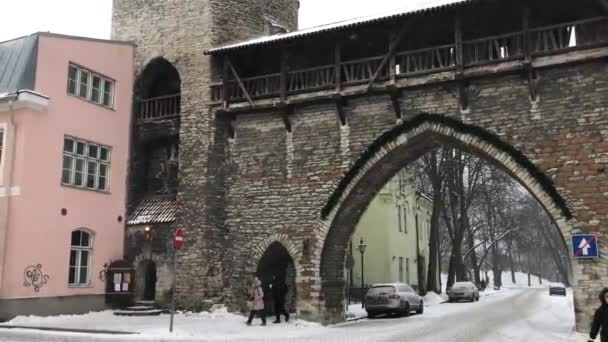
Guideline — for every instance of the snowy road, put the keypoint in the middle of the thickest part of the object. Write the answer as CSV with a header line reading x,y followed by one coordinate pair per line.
x,y
504,317
510,315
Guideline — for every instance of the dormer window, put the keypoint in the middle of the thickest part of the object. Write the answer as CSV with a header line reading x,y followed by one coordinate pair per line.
x,y
90,86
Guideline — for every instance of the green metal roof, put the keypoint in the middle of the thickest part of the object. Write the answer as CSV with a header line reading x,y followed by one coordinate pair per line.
x,y
18,58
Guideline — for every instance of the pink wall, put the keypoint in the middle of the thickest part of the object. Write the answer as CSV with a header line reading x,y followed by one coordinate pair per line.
x,y
38,233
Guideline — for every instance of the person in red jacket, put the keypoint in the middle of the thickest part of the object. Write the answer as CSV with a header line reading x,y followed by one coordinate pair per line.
x,y
600,319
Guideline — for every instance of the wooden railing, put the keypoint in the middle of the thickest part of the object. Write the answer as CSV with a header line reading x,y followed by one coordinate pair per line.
x,y
422,61
311,79
566,36
495,49
158,108
361,70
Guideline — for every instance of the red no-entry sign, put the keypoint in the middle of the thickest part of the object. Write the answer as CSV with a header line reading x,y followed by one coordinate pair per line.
x,y
179,238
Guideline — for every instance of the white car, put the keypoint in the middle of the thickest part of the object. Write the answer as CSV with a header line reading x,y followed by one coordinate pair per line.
x,y
397,298
463,290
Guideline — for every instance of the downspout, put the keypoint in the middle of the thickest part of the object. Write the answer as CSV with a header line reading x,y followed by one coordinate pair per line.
x,y
11,133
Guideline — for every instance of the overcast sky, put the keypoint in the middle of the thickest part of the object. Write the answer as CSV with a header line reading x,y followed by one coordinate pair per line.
x,y
93,18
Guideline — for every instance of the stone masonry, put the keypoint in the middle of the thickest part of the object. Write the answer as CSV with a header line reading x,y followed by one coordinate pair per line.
x,y
239,194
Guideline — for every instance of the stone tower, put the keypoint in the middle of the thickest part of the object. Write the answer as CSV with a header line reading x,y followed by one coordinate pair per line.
x,y
178,146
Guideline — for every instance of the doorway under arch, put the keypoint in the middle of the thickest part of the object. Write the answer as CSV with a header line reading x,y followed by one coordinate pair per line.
x,y
395,150
277,262
146,275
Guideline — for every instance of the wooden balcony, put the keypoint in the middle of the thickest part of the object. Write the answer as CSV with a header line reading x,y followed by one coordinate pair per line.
x,y
529,48
158,108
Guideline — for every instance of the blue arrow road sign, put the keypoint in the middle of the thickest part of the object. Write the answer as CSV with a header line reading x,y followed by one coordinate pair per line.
x,y
585,246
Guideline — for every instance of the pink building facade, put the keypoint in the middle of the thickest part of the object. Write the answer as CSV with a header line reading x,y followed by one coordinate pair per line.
x,y
65,122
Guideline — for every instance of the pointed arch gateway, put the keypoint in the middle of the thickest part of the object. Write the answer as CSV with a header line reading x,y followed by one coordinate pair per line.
x,y
277,257
391,152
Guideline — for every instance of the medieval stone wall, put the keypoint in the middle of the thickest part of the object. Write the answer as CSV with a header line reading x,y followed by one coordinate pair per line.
x,y
278,182
180,31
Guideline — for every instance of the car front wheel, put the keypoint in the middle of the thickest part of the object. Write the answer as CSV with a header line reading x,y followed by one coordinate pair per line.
x,y
420,308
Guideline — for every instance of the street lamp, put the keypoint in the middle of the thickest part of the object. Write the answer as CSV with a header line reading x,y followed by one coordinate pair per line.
x,y
361,249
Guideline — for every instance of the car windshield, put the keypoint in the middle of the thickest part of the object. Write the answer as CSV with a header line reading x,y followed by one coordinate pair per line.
x,y
381,290
461,285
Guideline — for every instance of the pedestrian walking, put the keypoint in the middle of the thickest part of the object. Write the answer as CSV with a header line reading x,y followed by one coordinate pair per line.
x,y
256,302
279,291
600,319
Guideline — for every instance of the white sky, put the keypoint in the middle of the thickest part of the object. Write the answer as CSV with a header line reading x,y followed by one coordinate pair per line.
x,y
93,18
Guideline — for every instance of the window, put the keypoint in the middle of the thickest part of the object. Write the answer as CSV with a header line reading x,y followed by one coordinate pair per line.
x,y
407,270
90,86
80,258
85,165
399,217
401,269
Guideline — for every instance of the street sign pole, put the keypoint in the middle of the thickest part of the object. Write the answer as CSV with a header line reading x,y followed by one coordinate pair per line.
x,y
177,245
173,289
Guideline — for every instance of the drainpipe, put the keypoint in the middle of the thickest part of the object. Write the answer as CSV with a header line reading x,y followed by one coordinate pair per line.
x,y
11,133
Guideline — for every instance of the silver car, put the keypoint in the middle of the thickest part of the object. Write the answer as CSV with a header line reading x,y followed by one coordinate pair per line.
x,y
463,290
397,298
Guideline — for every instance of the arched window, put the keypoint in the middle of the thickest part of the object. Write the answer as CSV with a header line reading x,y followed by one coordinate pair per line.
x,y
80,258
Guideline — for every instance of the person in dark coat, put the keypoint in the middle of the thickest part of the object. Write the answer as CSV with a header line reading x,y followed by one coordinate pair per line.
x,y
600,318
279,291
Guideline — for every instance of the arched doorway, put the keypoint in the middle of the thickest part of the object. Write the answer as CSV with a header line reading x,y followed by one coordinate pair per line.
x,y
395,150
158,78
146,275
277,262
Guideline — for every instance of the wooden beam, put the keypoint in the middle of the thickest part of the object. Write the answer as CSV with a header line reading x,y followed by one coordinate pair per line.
x,y
285,114
463,96
284,70
391,52
395,95
525,25
241,85
458,44
340,103
338,66
225,73
532,84
392,72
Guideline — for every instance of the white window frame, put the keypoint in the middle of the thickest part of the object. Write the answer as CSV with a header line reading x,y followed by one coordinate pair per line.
x,y
4,130
79,249
86,160
89,94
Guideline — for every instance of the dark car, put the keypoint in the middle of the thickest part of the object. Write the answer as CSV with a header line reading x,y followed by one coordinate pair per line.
x,y
558,290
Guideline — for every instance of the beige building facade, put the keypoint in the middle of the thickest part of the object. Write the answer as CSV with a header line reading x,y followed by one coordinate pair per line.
x,y
395,230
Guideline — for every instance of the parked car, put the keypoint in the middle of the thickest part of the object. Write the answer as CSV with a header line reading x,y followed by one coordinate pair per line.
x,y
557,289
397,298
464,290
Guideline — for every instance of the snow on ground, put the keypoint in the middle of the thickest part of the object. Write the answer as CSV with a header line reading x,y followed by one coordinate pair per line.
x,y
512,315
355,311
432,298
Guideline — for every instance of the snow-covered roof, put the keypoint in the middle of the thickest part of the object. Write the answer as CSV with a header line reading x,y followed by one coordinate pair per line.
x,y
154,209
410,9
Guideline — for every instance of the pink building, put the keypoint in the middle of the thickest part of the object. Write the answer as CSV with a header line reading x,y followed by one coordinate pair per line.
x,y
65,106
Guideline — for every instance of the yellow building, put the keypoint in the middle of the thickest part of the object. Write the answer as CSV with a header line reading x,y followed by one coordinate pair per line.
x,y
394,226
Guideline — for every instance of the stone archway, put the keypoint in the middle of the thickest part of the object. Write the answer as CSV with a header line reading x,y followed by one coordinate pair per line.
x,y
277,261
391,152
